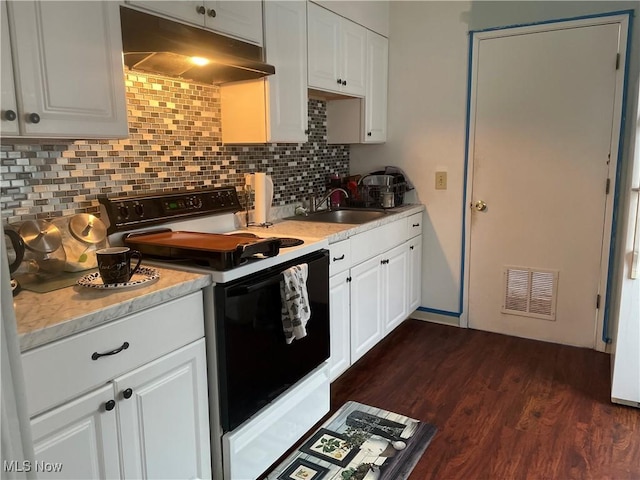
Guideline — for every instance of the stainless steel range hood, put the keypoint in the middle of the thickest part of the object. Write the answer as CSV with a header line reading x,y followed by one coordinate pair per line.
x,y
156,45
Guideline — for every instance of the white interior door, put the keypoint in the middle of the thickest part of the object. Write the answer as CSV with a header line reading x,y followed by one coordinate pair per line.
x,y
545,110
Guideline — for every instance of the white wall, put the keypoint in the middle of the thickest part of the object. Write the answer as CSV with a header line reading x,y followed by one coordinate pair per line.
x,y
428,59
426,131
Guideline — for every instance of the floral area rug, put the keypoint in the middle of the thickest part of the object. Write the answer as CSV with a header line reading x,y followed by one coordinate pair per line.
x,y
359,442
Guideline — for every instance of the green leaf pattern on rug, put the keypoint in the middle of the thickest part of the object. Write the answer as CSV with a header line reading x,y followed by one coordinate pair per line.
x,y
330,445
357,473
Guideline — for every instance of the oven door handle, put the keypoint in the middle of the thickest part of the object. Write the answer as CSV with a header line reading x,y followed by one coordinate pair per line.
x,y
252,287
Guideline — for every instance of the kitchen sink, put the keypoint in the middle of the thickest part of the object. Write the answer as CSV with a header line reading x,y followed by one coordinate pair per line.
x,y
356,216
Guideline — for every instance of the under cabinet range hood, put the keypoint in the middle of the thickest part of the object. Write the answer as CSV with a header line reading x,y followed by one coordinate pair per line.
x,y
157,45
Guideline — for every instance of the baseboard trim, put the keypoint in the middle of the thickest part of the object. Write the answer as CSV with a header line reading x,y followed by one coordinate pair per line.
x,y
436,318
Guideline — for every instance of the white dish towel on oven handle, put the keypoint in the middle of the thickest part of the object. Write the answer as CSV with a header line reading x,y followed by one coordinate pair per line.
x,y
296,310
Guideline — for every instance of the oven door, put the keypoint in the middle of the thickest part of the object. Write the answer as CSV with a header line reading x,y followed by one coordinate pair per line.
x,y
255,364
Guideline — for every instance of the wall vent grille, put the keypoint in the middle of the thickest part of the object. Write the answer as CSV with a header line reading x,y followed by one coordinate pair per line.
x,y
530,292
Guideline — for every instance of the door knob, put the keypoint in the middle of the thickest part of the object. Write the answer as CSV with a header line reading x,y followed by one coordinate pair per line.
x,y
480,206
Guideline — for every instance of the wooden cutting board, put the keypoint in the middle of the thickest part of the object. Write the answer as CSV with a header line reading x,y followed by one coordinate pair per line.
x,y
212,242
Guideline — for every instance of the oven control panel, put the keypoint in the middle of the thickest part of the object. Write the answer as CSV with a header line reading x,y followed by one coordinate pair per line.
x,y
126,213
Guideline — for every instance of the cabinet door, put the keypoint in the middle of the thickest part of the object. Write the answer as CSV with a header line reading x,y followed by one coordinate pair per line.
x,y
340,360
286,47
376,97
395,286
164,417
324,48
353,41
8,98
81,435
69,73
240,19
415,273
366,307
189,11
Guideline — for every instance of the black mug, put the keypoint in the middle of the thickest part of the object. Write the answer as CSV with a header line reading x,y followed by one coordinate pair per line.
x,y
114,264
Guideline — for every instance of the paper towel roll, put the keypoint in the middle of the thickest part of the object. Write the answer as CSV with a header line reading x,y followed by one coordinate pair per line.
x,y
263,187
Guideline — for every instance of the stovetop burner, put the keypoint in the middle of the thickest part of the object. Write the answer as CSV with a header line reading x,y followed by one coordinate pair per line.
x,y
290,242
284,241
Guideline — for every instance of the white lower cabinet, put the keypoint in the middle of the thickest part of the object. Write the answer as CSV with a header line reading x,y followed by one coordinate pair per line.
x,y
374,287
136,411
81,437
339,292
395,285
157,416
164,417
378,299
366,307
414,272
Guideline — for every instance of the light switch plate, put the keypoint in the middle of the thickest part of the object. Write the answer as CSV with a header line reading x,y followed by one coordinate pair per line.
x,y
441,180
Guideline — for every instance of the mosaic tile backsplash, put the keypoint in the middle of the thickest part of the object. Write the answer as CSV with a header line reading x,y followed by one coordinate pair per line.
x,y
174,142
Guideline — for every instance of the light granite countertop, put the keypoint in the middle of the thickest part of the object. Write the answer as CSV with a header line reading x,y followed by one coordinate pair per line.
x,y
333,232
44,317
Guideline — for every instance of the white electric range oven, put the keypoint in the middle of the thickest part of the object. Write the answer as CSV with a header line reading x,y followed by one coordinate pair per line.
x,y
264,393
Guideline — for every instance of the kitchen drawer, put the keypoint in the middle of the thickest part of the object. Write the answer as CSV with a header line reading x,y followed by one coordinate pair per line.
x,y
339,257
414,225
252,447
373,242
64,369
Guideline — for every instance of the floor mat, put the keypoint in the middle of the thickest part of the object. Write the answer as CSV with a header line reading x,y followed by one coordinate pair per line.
x,y
359,442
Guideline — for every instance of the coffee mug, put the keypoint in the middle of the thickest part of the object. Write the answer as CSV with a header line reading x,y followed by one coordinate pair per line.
x,y
114,264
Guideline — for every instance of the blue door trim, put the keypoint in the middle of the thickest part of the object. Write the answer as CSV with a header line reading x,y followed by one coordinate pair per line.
x,y
439,312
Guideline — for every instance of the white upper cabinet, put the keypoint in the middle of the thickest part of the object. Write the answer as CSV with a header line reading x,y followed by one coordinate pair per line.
x,y
68,73
286,47
273,109
375,107
337,52
373,15
241,19
9,115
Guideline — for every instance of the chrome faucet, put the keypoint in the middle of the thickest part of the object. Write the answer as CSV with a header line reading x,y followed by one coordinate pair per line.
x,y
314,204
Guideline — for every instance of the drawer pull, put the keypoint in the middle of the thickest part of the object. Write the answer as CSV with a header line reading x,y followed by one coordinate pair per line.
x,y
97,355
127,393
110,405
335,259
415,225
411,247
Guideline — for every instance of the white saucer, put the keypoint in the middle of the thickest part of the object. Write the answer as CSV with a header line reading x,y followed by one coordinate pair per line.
x,y
143,276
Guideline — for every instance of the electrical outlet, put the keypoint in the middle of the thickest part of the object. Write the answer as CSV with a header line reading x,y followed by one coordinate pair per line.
x,y
441,180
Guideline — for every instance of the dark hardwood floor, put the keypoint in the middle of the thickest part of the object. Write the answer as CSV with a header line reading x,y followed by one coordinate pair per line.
x,y
505,407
